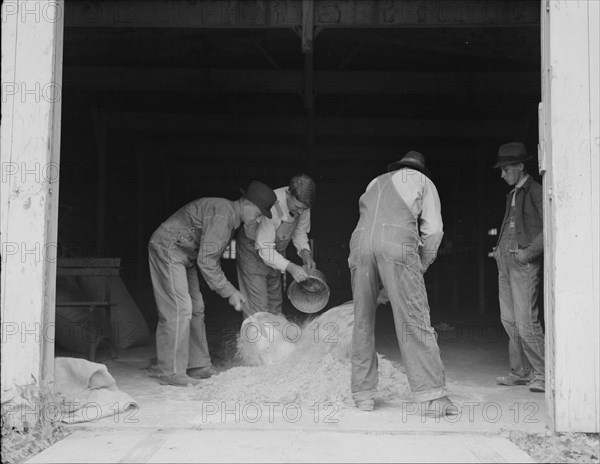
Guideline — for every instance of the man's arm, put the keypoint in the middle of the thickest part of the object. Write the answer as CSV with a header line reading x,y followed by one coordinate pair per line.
x,y
265,244
300,233
215,237
300,240
430,225
536,247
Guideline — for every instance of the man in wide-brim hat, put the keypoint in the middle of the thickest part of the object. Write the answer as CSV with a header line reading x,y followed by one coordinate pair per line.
x,y
518,254
396,239
194,237
413,160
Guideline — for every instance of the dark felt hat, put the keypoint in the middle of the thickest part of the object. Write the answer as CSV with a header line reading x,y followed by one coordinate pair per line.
x,y
413,160
261,195
511,153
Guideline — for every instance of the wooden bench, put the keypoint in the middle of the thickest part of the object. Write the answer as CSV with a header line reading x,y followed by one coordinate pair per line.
x,y
102,268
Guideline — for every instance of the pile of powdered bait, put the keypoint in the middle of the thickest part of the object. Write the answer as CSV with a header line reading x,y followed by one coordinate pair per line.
x,y
305,364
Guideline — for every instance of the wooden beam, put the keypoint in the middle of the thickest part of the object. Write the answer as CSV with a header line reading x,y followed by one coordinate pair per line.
x,y
30,150
482,167
308,26
212,82
215,124
100,134
142,245
307,35
544,154
350,56
265,53
271,14
309,105
456,276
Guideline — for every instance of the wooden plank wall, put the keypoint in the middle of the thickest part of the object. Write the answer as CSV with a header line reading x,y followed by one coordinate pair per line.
x,y
572,198
30,145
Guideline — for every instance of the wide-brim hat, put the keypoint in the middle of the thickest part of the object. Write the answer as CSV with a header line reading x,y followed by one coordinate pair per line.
x,y
261,195
413,160
511,153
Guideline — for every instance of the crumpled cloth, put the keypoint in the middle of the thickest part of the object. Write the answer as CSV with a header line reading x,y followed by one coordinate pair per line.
x,y
90,391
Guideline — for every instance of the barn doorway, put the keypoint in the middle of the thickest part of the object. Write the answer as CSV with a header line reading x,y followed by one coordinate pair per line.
x,y
156,114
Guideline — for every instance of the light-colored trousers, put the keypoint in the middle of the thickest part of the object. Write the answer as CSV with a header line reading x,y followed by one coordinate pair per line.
x,y
259,283
518,290
416,338
181,341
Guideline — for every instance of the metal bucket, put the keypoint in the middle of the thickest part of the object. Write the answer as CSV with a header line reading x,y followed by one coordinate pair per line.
x,y
311,295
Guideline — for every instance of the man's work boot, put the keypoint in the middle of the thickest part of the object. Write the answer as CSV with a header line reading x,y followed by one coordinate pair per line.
x,y
178,380
511,380
439,407
537,386
202,372
365,405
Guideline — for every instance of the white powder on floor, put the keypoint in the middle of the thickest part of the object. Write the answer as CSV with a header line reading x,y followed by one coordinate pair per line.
x,y
304,382
304,365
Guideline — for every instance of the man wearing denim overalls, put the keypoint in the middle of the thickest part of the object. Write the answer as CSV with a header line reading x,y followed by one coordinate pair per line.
x,y
519,257
260,253
195,237
396,239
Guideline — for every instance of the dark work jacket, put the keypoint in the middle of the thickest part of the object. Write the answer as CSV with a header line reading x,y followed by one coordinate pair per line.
x,y
529,218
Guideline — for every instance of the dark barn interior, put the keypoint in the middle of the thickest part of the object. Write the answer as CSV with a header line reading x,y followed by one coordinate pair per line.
x,y
159,109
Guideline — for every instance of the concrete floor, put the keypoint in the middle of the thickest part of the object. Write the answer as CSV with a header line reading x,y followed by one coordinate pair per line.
x,y
170,426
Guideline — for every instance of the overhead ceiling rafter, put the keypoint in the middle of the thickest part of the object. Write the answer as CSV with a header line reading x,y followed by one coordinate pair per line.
x,y
261,14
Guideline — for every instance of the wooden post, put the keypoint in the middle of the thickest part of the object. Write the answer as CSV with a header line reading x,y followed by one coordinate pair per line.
x,y
457,248
307,35
307,25
99,123
570,155
142,244
481,230
32,45
310,110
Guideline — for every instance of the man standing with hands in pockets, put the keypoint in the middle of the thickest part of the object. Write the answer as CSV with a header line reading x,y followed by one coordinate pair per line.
x,y
519,257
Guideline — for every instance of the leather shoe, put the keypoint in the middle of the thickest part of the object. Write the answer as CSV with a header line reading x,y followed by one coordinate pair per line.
x,y
537,386
202,372
511,381
439,407
365,405
178,380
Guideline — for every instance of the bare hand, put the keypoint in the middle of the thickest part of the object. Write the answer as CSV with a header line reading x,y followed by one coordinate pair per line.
x,y
383,297
309,262
237,300
297,272
494,253
521,256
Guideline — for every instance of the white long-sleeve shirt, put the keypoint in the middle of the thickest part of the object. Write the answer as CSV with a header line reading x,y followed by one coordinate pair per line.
x,y
421,196
266,232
